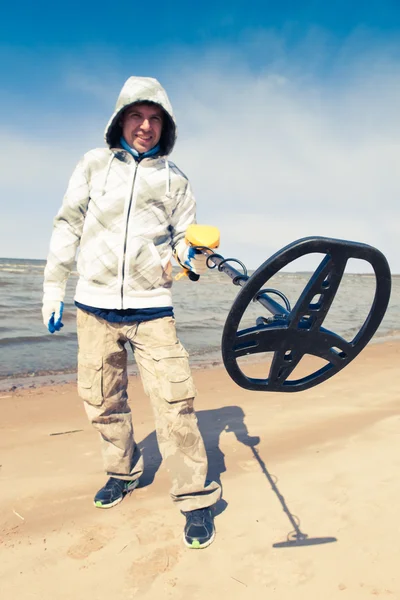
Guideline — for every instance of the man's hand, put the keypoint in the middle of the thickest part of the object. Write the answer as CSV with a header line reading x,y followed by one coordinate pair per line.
x,y
195,260
52,311
190,258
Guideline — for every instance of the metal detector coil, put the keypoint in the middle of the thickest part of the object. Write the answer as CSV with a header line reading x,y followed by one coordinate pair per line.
x,y
292,333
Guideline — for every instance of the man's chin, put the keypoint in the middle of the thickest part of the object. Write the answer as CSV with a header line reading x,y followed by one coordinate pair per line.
x,y
142,149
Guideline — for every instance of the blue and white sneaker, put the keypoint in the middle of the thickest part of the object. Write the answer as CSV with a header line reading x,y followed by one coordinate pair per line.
x,y
199,530
113,492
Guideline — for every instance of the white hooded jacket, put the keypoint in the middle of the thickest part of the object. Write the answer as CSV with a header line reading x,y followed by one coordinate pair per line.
x,y
125,216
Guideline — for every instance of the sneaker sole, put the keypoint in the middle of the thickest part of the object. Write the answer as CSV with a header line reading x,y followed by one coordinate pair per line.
x,y
100,505
195,545
128,491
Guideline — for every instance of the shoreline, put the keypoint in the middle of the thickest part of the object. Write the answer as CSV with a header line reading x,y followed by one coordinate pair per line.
x,y
32,381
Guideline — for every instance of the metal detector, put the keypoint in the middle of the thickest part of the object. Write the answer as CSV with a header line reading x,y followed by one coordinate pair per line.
x,y
290,333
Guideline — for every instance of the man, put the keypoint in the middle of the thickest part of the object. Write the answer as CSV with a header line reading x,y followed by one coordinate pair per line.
x,y
127,209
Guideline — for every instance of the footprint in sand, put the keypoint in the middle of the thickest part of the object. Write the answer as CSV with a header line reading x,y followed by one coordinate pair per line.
x,y
155,532
92,540
150,529
146,569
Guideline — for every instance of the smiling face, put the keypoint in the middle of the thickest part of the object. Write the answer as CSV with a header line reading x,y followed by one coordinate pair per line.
x,y
142,126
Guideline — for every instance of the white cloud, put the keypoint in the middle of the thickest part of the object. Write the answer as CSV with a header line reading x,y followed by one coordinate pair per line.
x,y
274,159
274,153
33,179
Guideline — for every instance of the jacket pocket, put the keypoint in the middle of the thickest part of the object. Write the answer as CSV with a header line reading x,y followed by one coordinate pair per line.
x,y
144,270
173,373
90,379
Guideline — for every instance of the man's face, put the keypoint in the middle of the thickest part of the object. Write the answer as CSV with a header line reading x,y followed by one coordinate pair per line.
x,y
142,126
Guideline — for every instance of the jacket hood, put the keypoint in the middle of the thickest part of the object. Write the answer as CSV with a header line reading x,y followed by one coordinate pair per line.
x,y
141,89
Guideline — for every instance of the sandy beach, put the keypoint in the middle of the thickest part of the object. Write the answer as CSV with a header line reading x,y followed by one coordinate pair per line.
x,y
327,465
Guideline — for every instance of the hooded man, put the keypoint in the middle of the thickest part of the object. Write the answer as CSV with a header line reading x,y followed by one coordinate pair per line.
x,y
127,208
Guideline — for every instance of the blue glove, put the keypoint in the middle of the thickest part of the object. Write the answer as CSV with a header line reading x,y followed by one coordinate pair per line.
x,y
52,314
195,260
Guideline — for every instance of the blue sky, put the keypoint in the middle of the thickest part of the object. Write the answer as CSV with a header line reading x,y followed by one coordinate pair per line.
x,y
287,113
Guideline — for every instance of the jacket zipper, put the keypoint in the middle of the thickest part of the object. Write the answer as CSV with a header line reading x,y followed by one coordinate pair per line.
x,y
126,234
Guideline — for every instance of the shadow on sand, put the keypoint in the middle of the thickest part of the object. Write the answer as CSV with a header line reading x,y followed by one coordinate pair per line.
x,y
212,423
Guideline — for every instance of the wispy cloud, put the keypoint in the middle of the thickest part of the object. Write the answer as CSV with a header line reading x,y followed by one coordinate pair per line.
x,y
277,147
276,157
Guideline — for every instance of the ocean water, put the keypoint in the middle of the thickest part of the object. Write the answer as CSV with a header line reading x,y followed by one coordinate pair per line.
x,y
28,353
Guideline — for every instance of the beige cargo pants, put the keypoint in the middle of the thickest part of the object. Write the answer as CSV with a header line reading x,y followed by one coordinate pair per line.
x,y
164,368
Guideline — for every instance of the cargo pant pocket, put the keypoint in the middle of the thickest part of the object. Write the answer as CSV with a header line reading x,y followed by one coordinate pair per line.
x,y
171,364
90,379
184,430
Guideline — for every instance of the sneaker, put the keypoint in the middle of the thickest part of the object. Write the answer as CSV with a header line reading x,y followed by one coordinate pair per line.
x,y
199,529
113,492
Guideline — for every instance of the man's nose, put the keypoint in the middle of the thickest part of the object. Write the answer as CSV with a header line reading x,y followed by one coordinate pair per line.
x,y
146,124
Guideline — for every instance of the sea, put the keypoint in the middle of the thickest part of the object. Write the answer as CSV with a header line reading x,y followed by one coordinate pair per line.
x,y
31,356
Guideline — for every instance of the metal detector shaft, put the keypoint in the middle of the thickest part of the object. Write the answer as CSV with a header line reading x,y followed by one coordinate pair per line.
x,y
239,279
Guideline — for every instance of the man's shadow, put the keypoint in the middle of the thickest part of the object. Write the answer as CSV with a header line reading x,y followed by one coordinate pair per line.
x,y
211,424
